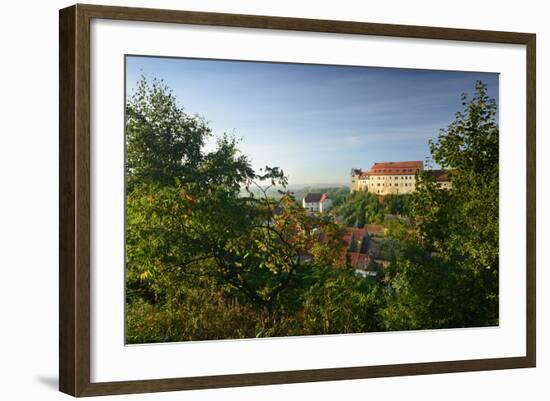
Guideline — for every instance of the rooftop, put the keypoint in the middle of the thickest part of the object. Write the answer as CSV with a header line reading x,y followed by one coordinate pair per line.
x,y
315,197
415,163
374,229
390,168
396,168
439,175
358,260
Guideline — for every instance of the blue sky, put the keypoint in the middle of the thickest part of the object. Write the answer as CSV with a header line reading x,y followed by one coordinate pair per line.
x,y
316,121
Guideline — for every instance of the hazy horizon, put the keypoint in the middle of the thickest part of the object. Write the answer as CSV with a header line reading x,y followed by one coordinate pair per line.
x,y
316,122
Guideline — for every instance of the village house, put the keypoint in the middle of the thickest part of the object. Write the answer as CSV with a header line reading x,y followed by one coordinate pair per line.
x,y
356,242
356,250
316,202
393,178
441,177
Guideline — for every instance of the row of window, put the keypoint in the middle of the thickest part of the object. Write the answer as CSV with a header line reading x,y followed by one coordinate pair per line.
x,y
409,170
396,184
403,177
389,184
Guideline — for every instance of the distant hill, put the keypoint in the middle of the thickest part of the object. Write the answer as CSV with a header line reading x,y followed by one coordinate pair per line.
x,y
336,193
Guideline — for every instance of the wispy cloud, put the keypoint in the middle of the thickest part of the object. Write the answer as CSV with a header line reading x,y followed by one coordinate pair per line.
x,y
317,121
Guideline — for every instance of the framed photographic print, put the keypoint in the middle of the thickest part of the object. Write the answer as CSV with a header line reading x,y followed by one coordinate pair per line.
x,y
250,200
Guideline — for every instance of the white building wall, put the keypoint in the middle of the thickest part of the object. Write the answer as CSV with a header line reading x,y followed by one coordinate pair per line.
x,y
392,184
389,184
317,206
311,206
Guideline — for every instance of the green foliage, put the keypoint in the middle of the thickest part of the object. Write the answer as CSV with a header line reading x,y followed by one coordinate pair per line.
x,y
449,278
238,242
204,241
330,302
163,143
203,315
360,208
397,204
217,250
342,302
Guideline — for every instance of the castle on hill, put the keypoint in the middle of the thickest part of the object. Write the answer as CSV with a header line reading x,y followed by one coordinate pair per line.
x,y
393,178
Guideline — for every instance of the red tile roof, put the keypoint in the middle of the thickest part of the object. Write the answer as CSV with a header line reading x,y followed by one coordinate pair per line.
x,y
357,232
347,238
396,168
358,260
391,168
439,175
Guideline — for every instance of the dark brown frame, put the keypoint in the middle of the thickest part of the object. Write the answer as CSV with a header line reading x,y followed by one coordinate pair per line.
x,y
74,199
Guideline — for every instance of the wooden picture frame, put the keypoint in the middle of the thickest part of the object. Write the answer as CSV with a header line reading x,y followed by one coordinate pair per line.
x,y
74,200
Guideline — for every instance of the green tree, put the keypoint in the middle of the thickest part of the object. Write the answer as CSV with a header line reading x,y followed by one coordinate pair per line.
x,y
360,208
397,204
254,246
339,301
188,220
356,209
449,275
164,143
